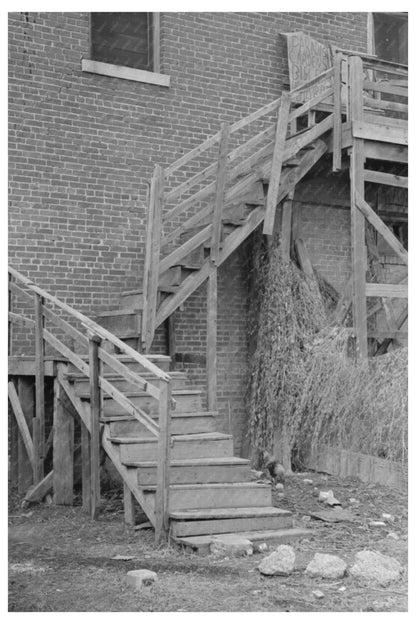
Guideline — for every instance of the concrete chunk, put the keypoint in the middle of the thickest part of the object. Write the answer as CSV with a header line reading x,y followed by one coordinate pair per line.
x,y
326,566
140,579
231,545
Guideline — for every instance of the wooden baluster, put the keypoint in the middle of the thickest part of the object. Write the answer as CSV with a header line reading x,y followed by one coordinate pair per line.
x,y
152,259
337,139
358,248
219,194
95,406
39,421
163,465
86,468
63,450
212,341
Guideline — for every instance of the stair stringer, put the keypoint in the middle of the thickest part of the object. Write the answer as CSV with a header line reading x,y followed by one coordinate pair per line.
x,y
288,181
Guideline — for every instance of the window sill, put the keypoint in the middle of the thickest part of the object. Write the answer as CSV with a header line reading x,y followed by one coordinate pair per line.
x,y
126,73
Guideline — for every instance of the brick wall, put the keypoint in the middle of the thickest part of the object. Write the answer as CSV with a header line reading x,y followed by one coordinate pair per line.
x,y
83,146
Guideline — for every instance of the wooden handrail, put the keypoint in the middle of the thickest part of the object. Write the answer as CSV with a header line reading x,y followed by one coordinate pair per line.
x,y
93,326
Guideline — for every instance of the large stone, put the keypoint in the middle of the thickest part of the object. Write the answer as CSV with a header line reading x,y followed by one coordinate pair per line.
x,y
230,545
281,562
326,566
140,579
372,566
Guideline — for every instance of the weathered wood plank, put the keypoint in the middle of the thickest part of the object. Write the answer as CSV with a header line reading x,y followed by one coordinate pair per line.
x,y
22,424
219,193
359,252
21,320
383,105
186,248
376,222
278,155
26,394
151,294
63,451
211,366
337,132
383,132
389,179
162,498
86,468
399,291
385,87
386,151
128,506
306,107
344,303
286,228
95,415
38,492
39,423
393,334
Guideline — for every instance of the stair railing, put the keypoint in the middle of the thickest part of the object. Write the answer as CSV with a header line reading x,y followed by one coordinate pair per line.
x,y
90,336
182,196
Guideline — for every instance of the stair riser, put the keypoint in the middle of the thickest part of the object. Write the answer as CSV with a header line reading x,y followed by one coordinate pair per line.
x,y
163,364
194,498
194,424
197,474
82,387
230,525
122,325
184,403
134,301
180,450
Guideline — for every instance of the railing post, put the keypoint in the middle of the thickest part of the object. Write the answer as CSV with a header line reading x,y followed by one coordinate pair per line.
x,y
211,366
219,194
10,333
163,465
358,248
39,420
337,140
95,406
152,258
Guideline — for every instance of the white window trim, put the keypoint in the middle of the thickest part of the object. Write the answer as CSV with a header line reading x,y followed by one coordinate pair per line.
x,y
126,73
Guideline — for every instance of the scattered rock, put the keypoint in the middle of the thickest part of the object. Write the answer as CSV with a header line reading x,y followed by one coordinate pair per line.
x,y
323,496
318,594
315,491
305,518
123,557
279,486
376,523
141,578
326,566
281,562
308,481
230,545
259,548
333,515
280,495
387,517
393,536
342,588
373,566
354,501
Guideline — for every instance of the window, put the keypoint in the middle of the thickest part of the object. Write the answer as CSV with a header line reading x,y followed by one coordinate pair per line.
x,y
390,36
125,45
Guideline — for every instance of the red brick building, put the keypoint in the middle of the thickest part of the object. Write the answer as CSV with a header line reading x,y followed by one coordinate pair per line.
x,y
86,132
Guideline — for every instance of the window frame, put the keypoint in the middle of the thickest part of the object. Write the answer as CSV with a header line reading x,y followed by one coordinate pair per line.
x,y
130,73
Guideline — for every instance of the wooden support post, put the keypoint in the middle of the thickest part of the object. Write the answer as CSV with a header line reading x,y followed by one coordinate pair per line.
x,y
163,465
86,468
358,248
14,451
219,194
211,363
95,406
286,233
128,501
26,392
39,422
278,153
152,258
10,334
337,133
63,450
171,340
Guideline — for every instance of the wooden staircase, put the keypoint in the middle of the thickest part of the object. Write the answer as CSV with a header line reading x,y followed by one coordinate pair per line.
x,y
212,492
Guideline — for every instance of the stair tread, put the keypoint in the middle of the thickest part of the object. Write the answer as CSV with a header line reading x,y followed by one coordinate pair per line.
x,y
180,437
216,486
208,461
118,312
256,536
175,414
178,392
225,512
114,377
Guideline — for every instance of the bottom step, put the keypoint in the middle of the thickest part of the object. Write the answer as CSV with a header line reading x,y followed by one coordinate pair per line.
x,y
200,543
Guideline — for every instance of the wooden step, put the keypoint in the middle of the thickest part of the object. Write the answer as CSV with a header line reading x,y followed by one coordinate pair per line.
x,y
211,495
192,446
208,470
174,276
161,361
187,400
181,423
200,543
124,323
214,521
82,383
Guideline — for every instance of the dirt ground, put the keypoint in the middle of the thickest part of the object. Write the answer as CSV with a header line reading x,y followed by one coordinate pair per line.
x,y
61,561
